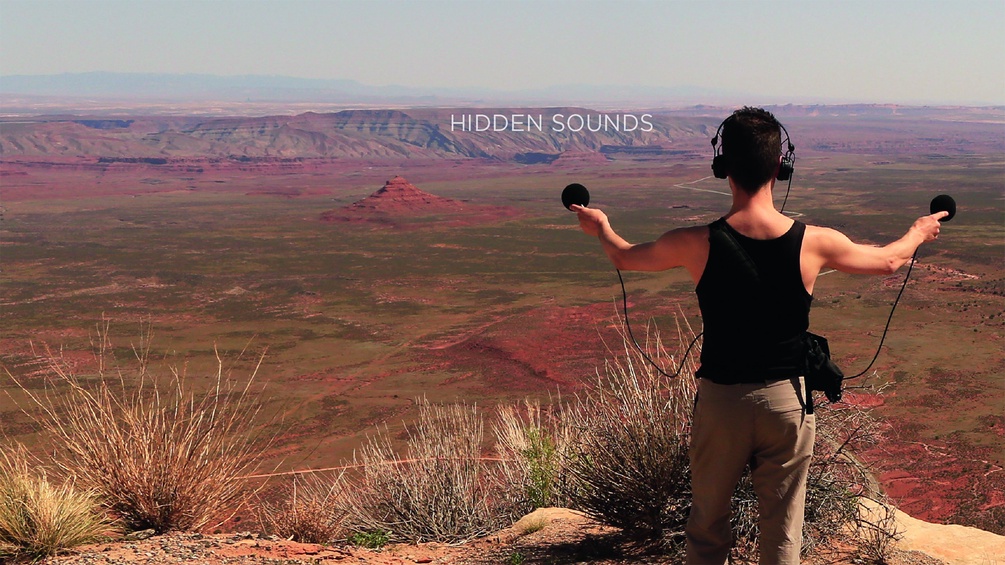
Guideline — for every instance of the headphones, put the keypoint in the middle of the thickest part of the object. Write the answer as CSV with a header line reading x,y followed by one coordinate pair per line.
x,y
720,162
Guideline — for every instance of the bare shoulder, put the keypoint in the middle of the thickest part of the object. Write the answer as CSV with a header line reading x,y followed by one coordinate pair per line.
x,y
818,237
690,235
826,247
689,246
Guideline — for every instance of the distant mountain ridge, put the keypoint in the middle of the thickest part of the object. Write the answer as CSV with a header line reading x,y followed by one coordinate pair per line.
x,y
370,134
526,135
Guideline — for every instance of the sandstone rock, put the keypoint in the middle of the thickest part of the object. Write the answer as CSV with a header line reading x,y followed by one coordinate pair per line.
x,y
398,195
140,535
956,545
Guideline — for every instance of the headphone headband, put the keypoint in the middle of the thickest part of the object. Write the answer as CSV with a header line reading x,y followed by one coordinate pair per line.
x,y
720,164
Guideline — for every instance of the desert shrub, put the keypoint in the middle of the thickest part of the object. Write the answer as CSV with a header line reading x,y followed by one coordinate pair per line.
x,y
38,518
439,489
312,511
629,457
533,445
516,558
159,454
743,520
877,530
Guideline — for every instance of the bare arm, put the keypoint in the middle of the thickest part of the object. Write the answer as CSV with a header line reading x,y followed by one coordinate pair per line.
x,y
675,248
832,249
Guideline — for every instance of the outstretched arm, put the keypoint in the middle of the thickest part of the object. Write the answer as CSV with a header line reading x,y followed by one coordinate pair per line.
x,y
835,251
675,248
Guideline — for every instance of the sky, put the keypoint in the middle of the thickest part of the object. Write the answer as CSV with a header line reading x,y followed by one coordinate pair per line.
x,y
875,51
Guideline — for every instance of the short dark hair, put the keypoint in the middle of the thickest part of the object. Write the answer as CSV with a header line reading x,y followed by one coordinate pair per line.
x,y
752,144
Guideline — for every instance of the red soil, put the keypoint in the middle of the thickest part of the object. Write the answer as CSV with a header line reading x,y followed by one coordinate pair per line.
x,y
940,480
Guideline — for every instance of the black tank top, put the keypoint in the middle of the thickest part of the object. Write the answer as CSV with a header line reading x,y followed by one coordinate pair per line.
x,y
753,315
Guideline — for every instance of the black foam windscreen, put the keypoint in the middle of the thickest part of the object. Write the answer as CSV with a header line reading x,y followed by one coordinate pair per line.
x,y
943,203
575,193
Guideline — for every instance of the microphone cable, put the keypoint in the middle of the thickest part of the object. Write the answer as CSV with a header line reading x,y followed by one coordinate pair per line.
x,y
628,326
680,366
890,317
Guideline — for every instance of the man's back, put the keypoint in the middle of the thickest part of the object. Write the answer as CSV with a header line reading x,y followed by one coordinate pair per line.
x,y
754,307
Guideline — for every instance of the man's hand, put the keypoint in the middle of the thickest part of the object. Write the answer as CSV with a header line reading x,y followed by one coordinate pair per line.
x,y
928,226
591,220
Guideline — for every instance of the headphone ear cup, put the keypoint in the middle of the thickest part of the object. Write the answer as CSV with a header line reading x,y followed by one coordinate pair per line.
x,y
786,168
720,168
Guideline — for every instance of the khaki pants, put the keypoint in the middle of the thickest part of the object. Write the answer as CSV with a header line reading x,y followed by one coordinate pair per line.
x,y
766,426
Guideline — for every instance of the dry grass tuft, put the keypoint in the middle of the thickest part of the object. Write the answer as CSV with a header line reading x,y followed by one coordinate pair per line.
x,y
314,511
533,525
837,479
39,519
439,489
160,457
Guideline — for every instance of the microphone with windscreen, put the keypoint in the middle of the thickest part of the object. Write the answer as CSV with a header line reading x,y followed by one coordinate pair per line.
x,y
942,203
575,193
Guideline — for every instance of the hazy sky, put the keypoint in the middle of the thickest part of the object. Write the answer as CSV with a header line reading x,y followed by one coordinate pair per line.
x,y
906,51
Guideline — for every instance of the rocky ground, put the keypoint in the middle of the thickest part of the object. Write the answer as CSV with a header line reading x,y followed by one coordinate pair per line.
x,y
551,535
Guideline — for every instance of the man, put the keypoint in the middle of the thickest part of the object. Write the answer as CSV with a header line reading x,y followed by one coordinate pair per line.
x,y
754,271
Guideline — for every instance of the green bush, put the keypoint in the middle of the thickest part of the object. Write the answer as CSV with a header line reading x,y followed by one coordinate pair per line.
x,y
370,540
542,457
